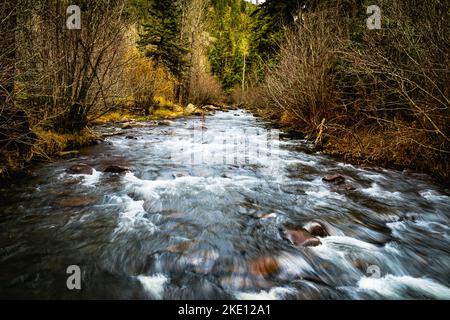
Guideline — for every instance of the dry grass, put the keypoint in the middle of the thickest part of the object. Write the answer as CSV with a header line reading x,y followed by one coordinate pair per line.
x,y
50,143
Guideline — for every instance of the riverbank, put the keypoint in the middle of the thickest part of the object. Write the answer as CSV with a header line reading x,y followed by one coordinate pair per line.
x,y
49,145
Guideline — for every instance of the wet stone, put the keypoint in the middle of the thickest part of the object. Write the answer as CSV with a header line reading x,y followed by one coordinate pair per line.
x,y
80,168
116,169
334,178
263,266
301,238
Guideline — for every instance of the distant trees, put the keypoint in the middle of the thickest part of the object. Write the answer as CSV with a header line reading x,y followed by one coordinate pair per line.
x,y
231,31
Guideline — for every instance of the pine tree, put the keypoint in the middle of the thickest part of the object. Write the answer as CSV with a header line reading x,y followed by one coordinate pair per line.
x,y
162,39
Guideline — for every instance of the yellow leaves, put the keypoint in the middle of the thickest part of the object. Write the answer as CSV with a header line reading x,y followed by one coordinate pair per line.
x,y
143,78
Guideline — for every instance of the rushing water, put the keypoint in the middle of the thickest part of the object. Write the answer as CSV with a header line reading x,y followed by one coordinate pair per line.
x,y
179,228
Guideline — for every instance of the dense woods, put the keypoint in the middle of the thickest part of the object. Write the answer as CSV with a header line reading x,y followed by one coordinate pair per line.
x,y
313,67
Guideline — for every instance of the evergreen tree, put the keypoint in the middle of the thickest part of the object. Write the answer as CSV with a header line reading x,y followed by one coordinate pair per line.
x,y
162,38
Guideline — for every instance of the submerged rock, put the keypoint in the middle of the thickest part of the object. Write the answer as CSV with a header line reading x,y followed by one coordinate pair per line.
x,y
346,187
80,168
68,154
74,202
316,229
181,247
130,138
410,218
263,266
180,174
116,169
334,178
165,123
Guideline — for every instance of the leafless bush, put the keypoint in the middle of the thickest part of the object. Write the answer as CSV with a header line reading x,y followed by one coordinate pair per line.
x,y
15,135
301,84
376,94
400,81
205,89
69,75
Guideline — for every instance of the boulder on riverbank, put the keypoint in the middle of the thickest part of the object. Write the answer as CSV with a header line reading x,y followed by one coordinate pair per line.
x,y
126,126
196,111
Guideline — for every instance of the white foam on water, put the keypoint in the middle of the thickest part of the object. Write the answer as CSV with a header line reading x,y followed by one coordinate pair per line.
x,y
373,176
320,191
397,228
153,189
91,180
345,243
154,284
277,293
132,216
293,265
341,250
432,195
376,191
395,287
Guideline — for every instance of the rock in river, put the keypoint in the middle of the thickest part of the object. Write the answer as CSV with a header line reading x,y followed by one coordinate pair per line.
x,y
165,123
316,229
343,188
116,169
334,178
301,238
80,168
263,266
74,202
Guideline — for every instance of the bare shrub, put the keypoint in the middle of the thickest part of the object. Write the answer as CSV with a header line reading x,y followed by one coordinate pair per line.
x,y
400,83
205,89
69,75
372,95
301,84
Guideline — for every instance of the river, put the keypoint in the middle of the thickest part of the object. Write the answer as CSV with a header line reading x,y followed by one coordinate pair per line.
x,y
202,214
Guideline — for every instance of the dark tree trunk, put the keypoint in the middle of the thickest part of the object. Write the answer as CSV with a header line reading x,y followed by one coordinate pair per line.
x,y
73,121
8,22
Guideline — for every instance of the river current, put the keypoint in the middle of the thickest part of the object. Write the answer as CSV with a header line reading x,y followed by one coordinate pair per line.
x,y
201,215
